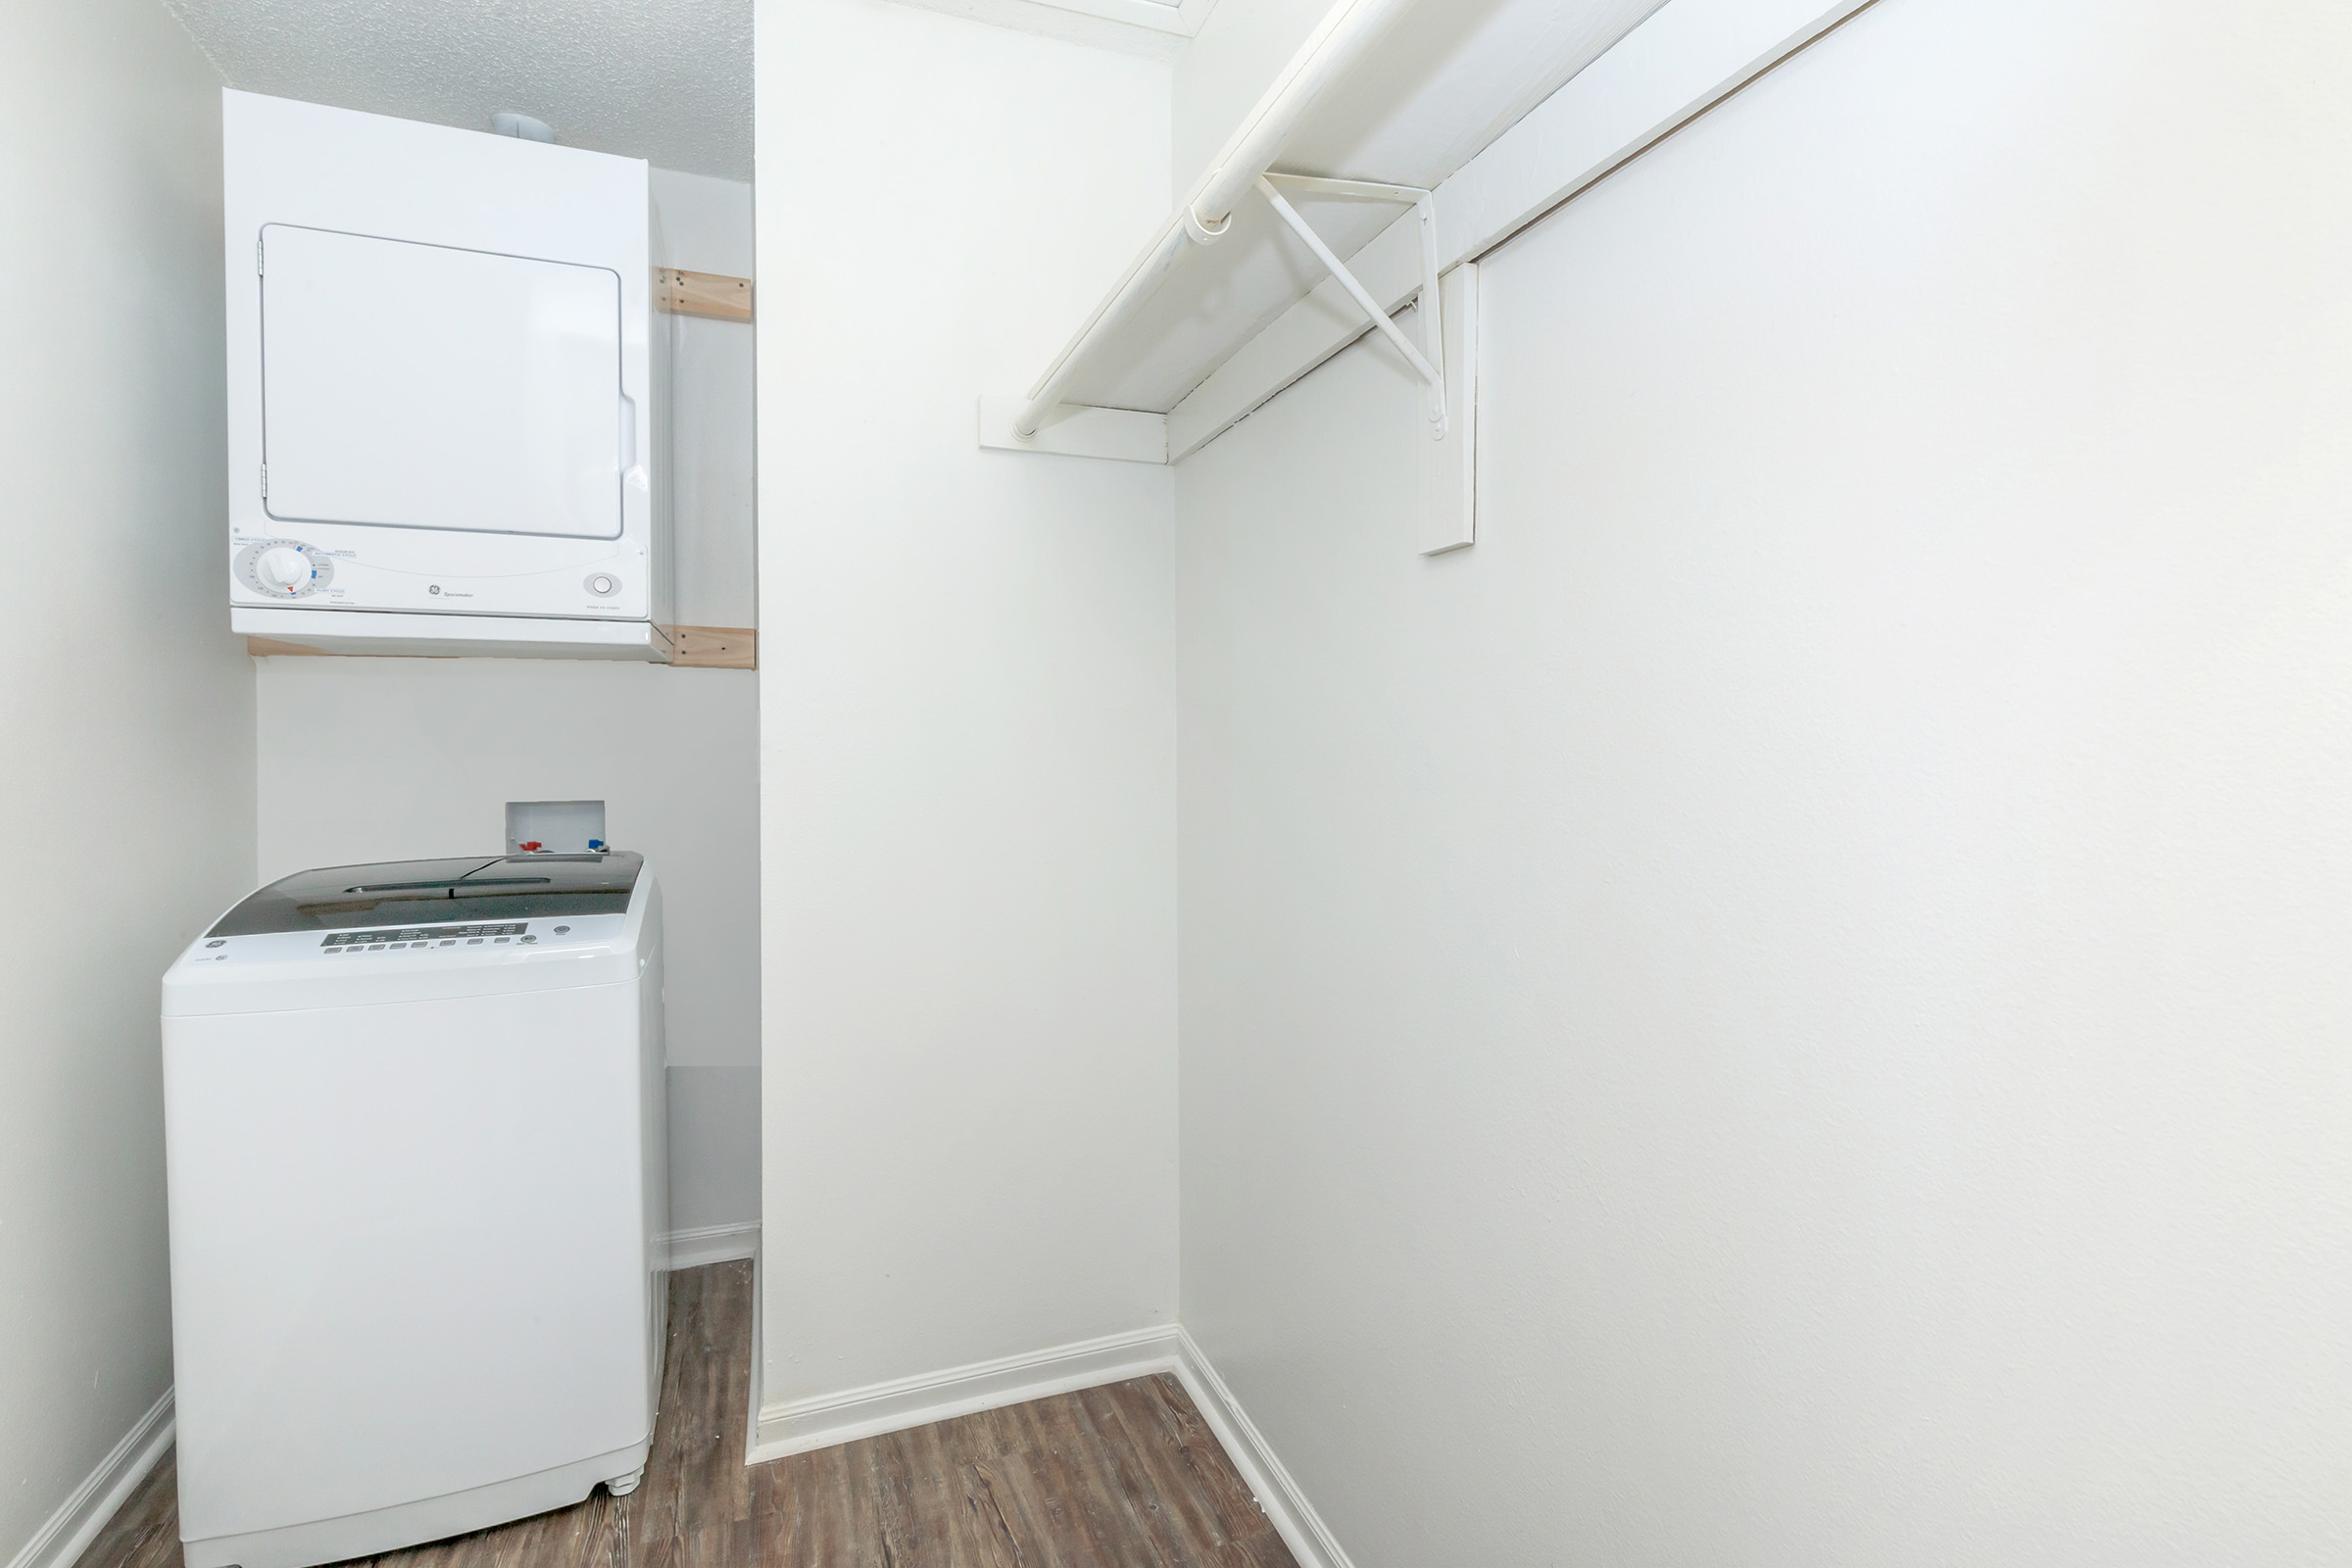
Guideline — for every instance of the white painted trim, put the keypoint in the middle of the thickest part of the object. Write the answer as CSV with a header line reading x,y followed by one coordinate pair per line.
x,y
798,1425
1147,27
67,1533
1687,57
1294,1518
1075,431
753,1405
698,1244
1183,19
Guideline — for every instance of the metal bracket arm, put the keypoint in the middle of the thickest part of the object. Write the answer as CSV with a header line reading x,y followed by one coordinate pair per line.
x,y
1429,358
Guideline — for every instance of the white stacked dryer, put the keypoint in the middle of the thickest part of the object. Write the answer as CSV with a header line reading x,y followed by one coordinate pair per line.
x,y
447,390
415,1140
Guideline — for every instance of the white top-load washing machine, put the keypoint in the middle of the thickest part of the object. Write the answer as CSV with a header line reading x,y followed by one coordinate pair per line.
x,y
417,1167
447,389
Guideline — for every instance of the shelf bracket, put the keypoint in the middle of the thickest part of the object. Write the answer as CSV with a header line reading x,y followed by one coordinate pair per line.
x,y
1447,359
1429,357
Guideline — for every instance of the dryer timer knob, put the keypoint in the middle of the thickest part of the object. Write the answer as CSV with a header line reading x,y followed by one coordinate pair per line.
x,y
283,567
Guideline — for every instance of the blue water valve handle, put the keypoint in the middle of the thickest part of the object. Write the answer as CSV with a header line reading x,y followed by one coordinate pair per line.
x,y
598,844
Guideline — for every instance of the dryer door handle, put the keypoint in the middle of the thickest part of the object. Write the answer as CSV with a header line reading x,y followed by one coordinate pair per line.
x,y
632,473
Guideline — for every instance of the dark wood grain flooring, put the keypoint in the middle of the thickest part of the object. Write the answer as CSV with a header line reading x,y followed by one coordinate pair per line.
x,y
1126,1476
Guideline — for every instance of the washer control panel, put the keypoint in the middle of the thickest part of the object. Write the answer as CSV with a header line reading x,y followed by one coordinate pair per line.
x,y
426,946
284,568
439,935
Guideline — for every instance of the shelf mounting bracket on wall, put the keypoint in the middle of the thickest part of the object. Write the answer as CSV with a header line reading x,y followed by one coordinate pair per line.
x,y
1447,360
1429,358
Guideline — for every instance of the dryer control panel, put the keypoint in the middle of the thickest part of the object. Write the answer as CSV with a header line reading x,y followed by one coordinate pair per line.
x,y
283,568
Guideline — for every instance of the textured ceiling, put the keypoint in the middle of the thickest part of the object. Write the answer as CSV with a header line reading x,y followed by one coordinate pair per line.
x,y
667,80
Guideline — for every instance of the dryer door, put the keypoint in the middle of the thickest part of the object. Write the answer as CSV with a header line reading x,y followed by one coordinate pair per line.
x,y
418,386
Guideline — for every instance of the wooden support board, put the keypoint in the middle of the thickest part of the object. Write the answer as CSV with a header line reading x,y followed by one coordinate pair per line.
x,y
691,647
264,647
713,647
708,294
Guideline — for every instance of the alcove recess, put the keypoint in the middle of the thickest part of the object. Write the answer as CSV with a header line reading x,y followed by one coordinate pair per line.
x,y
678,292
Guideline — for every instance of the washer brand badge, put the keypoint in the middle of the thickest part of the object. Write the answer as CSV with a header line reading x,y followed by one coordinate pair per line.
x,y
436,589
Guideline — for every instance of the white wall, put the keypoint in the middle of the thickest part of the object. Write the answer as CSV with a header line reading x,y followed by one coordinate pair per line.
x,y
1790,1006
385,759
705,226
394,759
126,764
968,714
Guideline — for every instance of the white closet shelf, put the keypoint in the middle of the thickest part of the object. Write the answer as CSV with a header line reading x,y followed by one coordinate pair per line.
x,y
1144,344
1404,139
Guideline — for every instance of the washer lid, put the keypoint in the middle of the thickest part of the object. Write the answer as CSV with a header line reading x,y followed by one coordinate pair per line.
x,y
405,893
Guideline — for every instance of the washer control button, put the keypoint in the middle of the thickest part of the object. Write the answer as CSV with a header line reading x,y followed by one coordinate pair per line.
x,y
603,584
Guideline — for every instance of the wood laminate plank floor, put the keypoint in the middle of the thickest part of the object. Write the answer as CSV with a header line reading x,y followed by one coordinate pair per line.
x,y
1126,1476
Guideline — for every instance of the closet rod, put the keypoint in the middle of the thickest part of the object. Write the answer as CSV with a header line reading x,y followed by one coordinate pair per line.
x,y
1338,41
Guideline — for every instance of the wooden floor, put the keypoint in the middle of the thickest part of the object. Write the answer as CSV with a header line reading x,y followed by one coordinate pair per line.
x,y
1124,1475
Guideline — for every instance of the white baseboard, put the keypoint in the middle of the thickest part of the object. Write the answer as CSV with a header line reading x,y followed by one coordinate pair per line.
x,y
797,1426
67,1533
800,1425
1295,1519
698,1244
